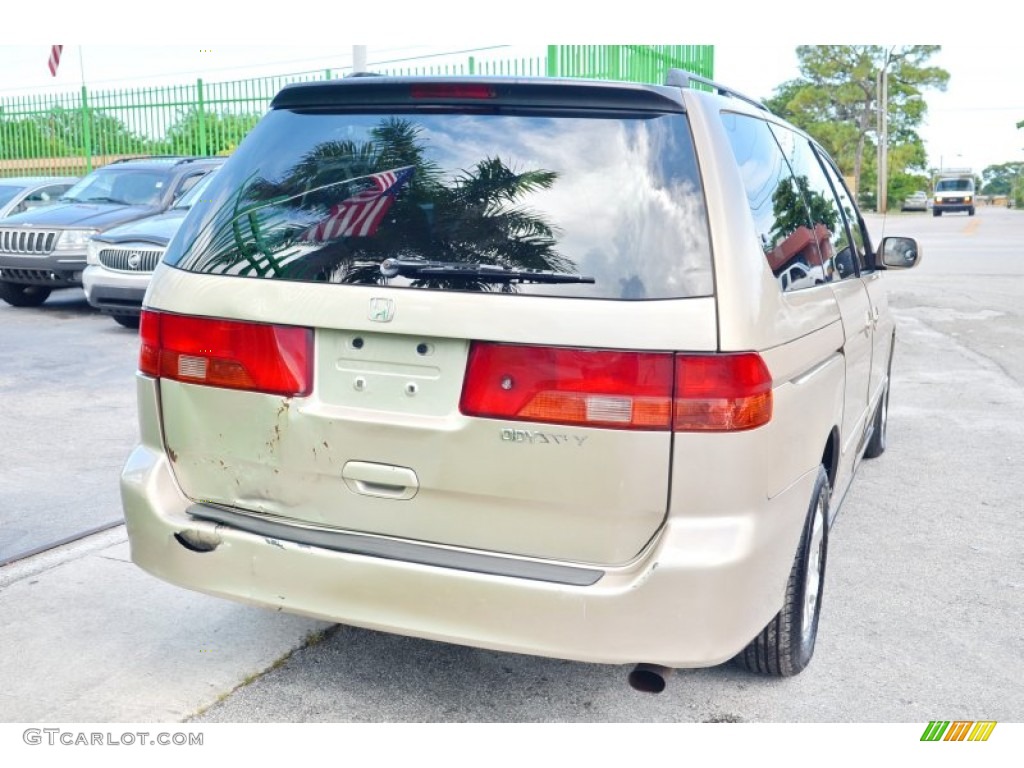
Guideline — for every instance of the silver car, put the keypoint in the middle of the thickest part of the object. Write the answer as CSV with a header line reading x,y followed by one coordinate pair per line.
x,y
23,193
915,202
120,261
509,363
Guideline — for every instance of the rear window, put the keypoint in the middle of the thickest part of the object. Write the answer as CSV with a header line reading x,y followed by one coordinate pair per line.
x,y
596,206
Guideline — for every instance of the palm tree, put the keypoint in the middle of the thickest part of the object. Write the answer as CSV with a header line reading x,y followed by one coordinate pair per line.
x,y
476,217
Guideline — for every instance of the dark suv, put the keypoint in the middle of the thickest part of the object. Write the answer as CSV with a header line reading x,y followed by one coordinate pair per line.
x,y
44,250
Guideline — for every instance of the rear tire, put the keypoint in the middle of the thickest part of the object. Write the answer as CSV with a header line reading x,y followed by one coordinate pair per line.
x,y
971,211
18,295
936,212
785,647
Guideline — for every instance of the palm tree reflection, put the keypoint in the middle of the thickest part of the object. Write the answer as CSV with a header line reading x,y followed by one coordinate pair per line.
x,y
292,228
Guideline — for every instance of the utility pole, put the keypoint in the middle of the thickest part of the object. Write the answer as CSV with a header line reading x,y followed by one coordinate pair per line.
x,y
882,198
358,59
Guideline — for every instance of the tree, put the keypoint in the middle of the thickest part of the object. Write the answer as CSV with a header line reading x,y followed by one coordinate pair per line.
x,y
207,133
1004,179
109,136
836,100
60,132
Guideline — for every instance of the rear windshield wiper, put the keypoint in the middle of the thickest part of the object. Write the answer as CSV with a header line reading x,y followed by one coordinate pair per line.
x,y
419,269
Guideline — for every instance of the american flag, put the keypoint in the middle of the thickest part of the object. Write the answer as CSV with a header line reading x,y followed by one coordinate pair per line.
x,y
55,58
361,214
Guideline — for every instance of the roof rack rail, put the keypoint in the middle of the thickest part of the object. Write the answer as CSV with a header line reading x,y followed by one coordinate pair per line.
x,y
168,158
680,78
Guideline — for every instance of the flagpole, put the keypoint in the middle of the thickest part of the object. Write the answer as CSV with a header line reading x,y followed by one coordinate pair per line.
x,y
87,139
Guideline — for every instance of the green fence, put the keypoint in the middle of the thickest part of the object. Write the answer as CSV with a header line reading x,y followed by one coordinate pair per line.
x,y
73,133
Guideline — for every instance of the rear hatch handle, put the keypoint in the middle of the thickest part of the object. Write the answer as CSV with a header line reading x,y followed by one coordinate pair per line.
x,y
382,481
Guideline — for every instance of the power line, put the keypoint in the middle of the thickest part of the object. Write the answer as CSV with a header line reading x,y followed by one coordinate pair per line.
x,y
264,65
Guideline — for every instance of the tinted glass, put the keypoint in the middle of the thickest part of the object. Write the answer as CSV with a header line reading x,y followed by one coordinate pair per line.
x,y
781,217
47,194
837,255
188,199
123,186
328,197
858,230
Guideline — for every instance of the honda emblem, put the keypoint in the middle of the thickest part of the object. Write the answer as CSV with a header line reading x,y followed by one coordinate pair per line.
x,y
382,310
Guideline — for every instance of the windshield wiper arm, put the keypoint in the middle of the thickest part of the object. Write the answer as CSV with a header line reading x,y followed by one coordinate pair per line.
x,y
102,200
490,273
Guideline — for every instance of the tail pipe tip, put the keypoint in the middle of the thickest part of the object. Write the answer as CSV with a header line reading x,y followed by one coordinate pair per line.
x,y
649,678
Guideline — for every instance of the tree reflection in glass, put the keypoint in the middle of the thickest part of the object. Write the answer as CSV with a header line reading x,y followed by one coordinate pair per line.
x,y
347,206
794,242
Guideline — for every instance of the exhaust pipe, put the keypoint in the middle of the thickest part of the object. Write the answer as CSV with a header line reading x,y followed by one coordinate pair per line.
x,y
649,678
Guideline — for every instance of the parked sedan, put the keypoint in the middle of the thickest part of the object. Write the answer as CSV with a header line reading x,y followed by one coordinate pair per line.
x,y
120,261
22,193
915,202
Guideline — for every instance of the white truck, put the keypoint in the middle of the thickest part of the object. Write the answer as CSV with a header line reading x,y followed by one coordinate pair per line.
x,y
954,192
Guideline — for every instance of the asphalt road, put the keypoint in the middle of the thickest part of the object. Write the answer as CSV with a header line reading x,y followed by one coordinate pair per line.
x,y
67,420
923,613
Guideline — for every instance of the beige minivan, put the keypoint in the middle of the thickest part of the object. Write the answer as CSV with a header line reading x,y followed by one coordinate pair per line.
x,y
517,364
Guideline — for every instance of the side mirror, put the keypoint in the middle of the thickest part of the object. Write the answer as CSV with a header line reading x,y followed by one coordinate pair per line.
x,y
844,263
900,252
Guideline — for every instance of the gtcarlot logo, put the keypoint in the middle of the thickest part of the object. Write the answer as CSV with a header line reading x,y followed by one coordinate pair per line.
x,y
60,737
958,730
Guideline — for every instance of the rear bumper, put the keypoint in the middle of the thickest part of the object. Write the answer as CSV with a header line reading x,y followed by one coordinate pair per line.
x,y
694,597
678,605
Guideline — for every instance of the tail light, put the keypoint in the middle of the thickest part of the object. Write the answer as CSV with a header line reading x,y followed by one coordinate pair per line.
x,y
721,393
274,359
617,390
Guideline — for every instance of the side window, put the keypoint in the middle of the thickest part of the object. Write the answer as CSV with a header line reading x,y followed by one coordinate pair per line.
x,y
781,217
853,218
43,196
838,254
187,183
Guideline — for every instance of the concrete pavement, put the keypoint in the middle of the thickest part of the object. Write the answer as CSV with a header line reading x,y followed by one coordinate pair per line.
x,y
90,637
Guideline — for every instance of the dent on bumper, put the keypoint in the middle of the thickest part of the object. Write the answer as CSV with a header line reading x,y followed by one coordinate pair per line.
x,y
695,597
